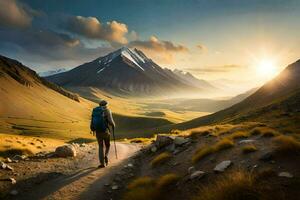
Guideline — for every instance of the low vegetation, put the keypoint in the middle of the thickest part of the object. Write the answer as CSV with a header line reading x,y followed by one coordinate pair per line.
x,y
287,144
160,159
202,152
239,135
249,149
263,131
147,188
195,134
14,151
235,186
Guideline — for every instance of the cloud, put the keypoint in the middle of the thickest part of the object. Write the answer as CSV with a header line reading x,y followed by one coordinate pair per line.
x,y
46,46
92,28
215,69
14,14
162,51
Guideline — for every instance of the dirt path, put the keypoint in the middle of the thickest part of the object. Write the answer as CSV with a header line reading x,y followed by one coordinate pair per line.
x,y
88,182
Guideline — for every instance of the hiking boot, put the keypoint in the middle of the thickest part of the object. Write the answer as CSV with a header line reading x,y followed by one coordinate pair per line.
x,y
106,160
101,166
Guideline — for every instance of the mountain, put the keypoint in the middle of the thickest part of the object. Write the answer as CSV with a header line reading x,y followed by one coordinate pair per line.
x,y
128,72
275,100
52,72
31,105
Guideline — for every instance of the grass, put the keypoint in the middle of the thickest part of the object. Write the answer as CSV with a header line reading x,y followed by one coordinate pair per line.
x,y
147,188
239,135
202,152
160,159
196,134
249,149
263,131
14,151
287,144
235,186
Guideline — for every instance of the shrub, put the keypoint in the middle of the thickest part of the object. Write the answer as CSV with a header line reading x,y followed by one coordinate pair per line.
x,y
234,186
15,151
249,148
255,131
147,188
239,134
287,144
224,143
141,182
166,181
202,152
195,134
269,133
160,159
264,131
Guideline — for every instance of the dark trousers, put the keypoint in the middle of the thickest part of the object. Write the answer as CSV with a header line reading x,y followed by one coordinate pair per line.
x,y
103,138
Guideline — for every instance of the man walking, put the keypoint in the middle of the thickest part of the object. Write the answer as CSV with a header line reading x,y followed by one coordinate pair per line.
x,y
103,124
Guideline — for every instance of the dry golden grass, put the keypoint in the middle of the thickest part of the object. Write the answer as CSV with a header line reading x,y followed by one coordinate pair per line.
x,y
167,180
160,159
141,182
195,134
287,144
237,185
141,140
16,151
224,143
147,188
202,152
249,149
239,134
264,131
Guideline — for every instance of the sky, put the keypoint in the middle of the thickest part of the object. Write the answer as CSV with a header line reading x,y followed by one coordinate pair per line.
x,y
245,41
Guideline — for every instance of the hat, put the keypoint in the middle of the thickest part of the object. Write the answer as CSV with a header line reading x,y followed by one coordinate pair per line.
x,y
103,103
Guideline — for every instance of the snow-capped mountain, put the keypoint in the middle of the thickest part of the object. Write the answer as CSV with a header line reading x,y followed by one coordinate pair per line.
x,y
128,72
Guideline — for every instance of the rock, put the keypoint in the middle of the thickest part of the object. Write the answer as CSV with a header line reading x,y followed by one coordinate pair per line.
x,y
13,181
177,151
130,165
3,165
14,192
106,184
19,157
246,141
115,187
65,151
153,149
266,157
191,170
197,175
163,140
178,141
8,167
286,175
8,160
222,166
83,145
171,147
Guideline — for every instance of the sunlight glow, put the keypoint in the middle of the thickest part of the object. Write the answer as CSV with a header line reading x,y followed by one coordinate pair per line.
x,y
266,68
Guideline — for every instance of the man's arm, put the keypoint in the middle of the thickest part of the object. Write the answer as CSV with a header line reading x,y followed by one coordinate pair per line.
x,y
110,119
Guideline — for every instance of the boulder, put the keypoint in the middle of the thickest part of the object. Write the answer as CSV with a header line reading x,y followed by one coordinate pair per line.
x,y
178,141
197,175
163,140
65,151
285,174
246,141
222,166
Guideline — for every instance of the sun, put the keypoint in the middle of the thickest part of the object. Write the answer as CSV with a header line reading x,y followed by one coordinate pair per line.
x,y
266,68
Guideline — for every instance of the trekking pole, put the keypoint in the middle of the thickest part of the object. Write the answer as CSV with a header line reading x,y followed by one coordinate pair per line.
x,y
115,143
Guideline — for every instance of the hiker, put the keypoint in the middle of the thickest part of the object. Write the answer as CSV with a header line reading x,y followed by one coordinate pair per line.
x,y
103,124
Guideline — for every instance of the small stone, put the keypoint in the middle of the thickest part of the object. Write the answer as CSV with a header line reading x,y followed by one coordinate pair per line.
x,y
246,141
153,149
286,175
178,141
8,167
19,157
255,166
115,187
8,160
130,165
191,170
222,166
197,174
106,184
14,192
13,181
3,165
